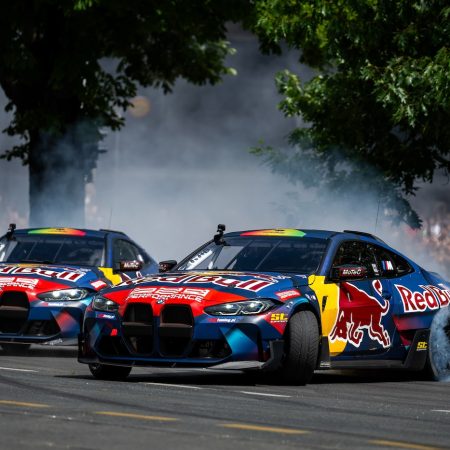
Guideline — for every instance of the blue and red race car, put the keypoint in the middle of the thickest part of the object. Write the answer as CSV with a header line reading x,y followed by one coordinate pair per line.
x,y
48,276
285,301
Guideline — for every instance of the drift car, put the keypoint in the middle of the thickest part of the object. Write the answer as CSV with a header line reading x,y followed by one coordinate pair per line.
x,y
284,301
49,275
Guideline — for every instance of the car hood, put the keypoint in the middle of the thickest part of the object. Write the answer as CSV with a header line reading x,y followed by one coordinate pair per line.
x,y
208,287
41,277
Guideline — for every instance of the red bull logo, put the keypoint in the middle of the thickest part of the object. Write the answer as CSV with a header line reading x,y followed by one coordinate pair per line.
x,y
359,311
431,297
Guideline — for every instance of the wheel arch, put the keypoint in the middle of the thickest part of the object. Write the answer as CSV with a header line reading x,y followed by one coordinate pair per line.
x,y
308,306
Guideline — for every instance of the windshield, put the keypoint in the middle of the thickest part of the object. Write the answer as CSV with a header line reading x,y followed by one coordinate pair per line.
x,y
50,249
265,255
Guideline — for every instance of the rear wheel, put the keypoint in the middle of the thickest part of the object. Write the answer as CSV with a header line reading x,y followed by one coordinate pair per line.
x,y
16,349
302,347
106,372
438,363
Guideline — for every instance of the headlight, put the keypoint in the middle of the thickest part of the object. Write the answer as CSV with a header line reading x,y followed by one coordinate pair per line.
x,y
104,304
249,307
62,295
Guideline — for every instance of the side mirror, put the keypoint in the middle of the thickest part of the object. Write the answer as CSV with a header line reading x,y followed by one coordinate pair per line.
x,y
130,266
348,272
165,266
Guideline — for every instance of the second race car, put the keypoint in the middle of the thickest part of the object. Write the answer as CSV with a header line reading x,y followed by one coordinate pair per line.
x,y
48,276
287,301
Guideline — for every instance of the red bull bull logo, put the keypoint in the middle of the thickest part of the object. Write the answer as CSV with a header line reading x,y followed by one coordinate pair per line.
x,y
359,311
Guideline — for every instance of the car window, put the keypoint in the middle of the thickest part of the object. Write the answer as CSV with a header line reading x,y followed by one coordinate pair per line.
x,y
291,255
391,265
53,249
357,253
144,257
125,251
294,256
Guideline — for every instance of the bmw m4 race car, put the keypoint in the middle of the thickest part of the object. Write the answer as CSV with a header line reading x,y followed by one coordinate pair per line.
x,y
48,276
285,301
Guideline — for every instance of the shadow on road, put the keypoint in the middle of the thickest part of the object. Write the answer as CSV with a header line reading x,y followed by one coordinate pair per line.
x,y
44,352
205,377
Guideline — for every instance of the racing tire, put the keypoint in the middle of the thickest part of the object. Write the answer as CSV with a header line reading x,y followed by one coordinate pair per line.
x,y
106,372
16,349
438,360
302,348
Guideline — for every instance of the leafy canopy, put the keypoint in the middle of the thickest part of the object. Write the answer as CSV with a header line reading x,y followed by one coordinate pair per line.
x,y
62,62
380,96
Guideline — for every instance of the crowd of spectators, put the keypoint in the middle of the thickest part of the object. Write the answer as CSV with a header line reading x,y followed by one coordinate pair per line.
x,y
435,237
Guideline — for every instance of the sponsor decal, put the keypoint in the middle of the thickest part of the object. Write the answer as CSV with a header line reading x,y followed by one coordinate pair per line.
x,y
225,320
278,317
198,258
387,265
162,294
130,265
105,316
287,295
68,275
25,283
290,232
141,293
359,311
259,276
99,284
430,297
422,345
351,272
252,285
66,231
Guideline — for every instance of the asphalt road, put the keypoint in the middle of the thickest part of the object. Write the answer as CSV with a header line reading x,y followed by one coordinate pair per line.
x,y
49,400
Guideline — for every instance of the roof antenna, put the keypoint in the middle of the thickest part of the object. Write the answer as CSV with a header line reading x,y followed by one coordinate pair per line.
x,y
218,238
10,232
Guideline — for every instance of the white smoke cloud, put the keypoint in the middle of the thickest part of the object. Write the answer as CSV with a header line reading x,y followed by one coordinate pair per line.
x,y
172,174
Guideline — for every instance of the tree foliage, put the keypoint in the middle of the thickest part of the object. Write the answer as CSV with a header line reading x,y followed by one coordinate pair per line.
x,y
380,96
69,67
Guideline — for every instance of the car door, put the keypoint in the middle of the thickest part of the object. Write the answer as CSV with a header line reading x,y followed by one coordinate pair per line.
x,y
363,322
414,298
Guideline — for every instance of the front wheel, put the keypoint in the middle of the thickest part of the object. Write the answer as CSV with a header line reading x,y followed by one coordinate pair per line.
x,y
16,349
106,372
302,348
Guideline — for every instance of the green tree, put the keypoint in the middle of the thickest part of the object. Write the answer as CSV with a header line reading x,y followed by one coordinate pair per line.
x,y
379,100
69,67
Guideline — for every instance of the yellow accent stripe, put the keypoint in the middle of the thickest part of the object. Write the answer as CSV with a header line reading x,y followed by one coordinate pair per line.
x,y
243,426
407,445
31,405
109,273
135,416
